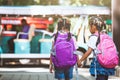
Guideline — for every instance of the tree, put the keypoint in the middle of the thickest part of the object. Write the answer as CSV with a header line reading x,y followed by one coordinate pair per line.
x,y
55,2
48,2
6,2
92,2
23,2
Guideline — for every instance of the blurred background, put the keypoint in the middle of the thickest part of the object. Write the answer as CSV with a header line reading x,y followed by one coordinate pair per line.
x,y
43,16
55,2
20,58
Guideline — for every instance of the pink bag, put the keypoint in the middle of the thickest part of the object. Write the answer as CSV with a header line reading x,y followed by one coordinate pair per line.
x,y
108,57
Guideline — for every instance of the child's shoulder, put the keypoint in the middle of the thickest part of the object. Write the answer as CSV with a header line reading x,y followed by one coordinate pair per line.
x,y
93,36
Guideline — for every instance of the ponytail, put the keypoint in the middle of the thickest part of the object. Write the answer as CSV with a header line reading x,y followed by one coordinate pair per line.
x,y
69,36
98,40
56,35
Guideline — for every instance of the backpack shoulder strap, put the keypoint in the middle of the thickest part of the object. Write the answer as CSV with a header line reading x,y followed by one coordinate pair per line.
x,y
97,42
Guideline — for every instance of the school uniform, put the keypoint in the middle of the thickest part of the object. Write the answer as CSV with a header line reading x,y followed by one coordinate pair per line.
x,y
99,69
67,72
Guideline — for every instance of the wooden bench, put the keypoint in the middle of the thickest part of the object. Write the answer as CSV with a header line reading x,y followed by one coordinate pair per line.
x,y
13,57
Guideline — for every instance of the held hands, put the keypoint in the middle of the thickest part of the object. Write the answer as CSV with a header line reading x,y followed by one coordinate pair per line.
x,y
79,63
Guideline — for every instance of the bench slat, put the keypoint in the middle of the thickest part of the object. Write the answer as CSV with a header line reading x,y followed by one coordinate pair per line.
x,y
24,56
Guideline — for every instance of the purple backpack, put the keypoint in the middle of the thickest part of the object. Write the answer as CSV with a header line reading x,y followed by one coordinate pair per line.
x,y
64,56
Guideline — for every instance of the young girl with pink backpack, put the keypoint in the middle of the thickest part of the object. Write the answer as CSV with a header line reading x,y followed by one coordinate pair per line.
x,y
62,56
104,50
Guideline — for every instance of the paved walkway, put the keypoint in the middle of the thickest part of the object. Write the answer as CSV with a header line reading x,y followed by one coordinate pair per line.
x,y
41,74
33,76
30,74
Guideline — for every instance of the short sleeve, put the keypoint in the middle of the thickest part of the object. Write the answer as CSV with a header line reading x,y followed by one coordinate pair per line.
x,y
92,42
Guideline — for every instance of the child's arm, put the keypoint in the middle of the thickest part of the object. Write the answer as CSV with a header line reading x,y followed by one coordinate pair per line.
x,y
87,53
51,64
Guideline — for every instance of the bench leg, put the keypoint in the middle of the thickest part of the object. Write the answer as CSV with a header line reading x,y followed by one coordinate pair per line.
x,y
1,62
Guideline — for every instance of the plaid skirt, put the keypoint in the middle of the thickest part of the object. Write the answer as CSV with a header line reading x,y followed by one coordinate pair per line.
x,y
99,69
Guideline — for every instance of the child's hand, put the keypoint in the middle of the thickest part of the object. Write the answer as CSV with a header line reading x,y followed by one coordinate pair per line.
x,y
79,63
51,68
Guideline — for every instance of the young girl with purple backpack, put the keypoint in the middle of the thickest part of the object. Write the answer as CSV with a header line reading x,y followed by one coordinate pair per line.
x,y
101,71
62,56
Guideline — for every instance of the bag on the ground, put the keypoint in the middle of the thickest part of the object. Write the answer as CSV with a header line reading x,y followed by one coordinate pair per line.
x,y
64,56
108,56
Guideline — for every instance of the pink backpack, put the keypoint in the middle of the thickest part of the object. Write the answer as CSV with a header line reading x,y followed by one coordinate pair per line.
x,y
64,56
108,57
